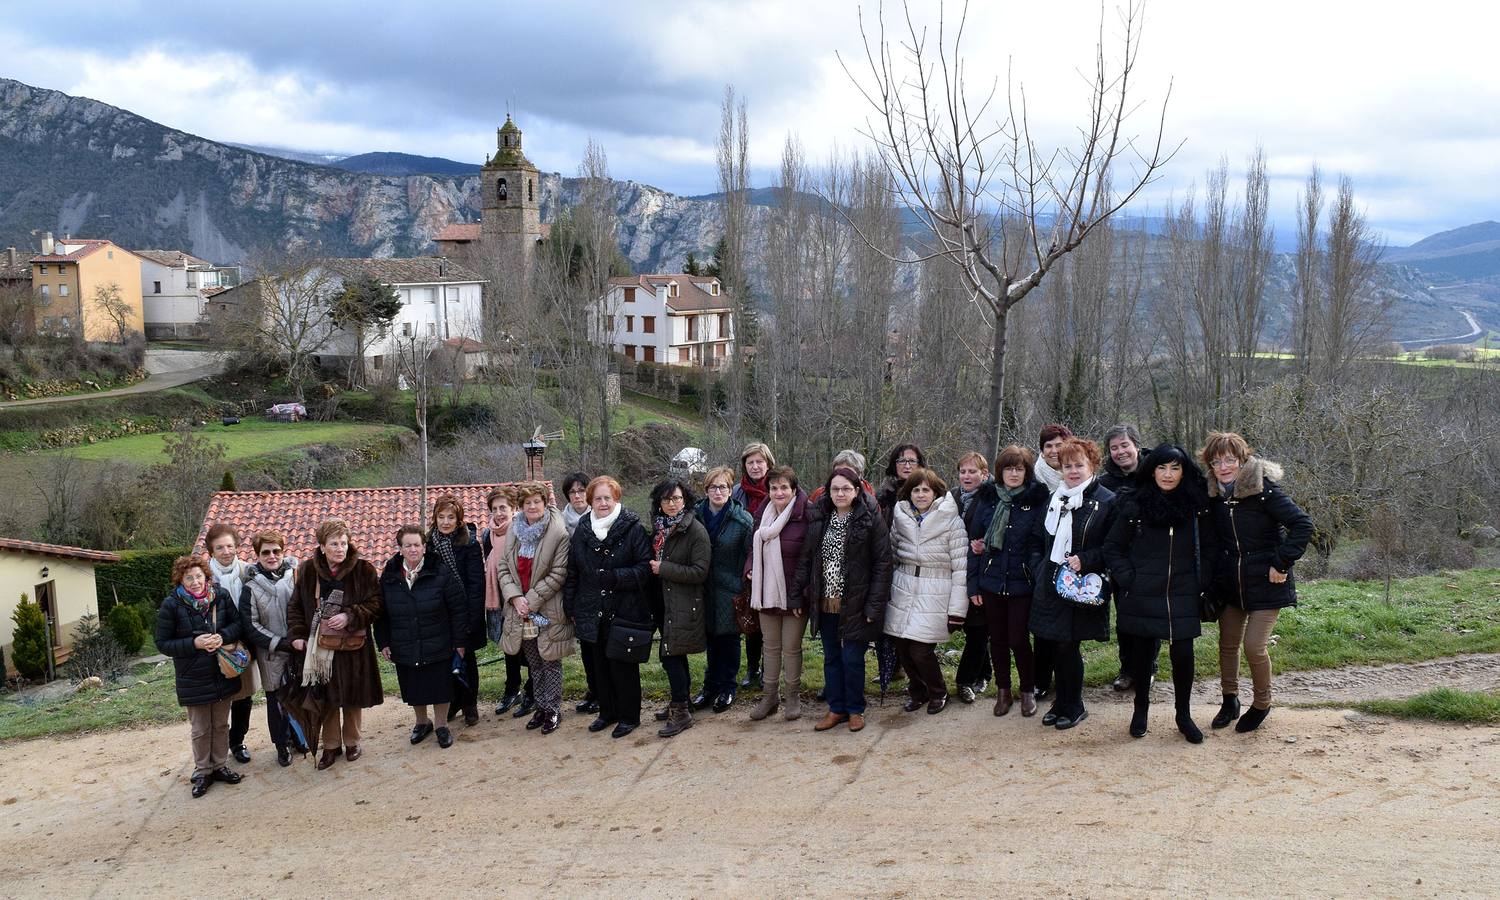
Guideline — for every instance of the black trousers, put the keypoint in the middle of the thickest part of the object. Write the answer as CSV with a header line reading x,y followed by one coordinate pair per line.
x,y
924,677
590,677
617,685
513,665
1144,652
1045,658
752,654
975,666
1129,650
239,719
1068,657
467,698
679,677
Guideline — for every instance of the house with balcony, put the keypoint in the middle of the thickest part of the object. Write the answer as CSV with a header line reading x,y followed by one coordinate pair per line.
x,y
174,289
674,319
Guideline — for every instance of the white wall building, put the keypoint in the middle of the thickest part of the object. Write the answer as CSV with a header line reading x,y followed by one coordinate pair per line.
x,y
440,301
680,320
173,289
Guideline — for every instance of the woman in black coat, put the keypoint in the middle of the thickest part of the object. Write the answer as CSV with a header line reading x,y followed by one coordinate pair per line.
x,y
845,574
422,623
1157,552
456,543
1070,536
609,572
681,554
1261,534
1000,580
193,622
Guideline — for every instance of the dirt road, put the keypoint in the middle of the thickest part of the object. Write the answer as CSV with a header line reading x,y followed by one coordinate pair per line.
x,y
1319,802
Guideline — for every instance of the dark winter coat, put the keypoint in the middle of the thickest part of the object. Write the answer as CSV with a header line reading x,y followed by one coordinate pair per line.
x,y
1259,528
867,569
677,592
424,623
885,497
470,575
198,678
731,552
1052,617
356,674
1115,478
1007,570
1159,552
608,578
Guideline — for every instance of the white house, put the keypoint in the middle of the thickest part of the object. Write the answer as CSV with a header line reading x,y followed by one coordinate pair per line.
x,y
440,301
174,286
680,320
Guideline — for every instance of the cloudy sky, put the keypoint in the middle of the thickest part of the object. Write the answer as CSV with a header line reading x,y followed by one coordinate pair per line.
x,y
1396,96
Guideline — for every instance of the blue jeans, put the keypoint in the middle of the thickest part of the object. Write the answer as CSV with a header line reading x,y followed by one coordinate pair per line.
x,y
723,664
843,668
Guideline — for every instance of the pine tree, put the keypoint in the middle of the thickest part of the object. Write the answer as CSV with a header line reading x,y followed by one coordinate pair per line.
x,y
29,648
692,266
228,483
95,651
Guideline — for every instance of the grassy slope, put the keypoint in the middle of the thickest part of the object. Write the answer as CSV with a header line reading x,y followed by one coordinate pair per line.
x,y
1441,705
250,438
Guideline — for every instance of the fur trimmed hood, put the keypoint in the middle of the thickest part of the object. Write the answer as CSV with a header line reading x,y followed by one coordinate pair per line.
x,y
1250,480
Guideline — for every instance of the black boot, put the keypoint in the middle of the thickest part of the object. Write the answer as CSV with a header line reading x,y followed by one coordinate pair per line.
x,y
1228,712
1187,726
1252,718
1138,721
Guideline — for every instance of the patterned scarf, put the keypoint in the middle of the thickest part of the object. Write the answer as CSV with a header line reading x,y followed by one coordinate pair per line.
x,y
664,526
967,497
834,539
995,537
443,544
196,601
530,536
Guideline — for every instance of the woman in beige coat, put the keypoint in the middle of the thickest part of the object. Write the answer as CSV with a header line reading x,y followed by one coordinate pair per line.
x,y
532,571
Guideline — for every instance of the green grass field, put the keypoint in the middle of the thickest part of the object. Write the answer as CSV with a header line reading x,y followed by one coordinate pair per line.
x,y
250,438
1440,705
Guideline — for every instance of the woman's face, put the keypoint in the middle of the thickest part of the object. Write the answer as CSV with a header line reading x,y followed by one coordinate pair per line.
x,y
756,467
604,502
1049,451
1124,452
970,476
500,514
718,493
922,496
1013,476
1226,467
269,555
223,549
336,548
447,520
412,549
1168,475
578,498
1076,470
671,504
534,506
194,580
906,463
842,492
781,493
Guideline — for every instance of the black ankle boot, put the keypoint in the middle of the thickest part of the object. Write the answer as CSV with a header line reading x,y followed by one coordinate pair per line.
x,y
1188,727
1252,718
1138,721
1228,712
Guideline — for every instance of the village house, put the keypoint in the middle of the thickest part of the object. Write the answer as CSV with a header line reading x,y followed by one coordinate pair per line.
x,y
69,278
679,320
174,288
58,578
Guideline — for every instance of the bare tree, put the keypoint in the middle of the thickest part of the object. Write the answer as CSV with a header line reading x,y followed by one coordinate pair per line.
x,y
18,305
1252,239
292,323
116,309
1000,208
1307,301
414,363
1354,312
734,189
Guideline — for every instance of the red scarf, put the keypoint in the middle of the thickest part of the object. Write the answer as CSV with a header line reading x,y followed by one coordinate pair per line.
x,y
756,495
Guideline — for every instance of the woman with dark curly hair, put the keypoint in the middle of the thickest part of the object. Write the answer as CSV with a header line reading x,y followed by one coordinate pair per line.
x,y
681,554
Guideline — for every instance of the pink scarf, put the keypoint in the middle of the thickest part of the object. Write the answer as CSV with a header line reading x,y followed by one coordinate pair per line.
x,y
492,568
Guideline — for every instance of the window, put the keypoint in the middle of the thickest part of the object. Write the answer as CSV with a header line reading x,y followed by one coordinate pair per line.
x,y
156,287
406,329
378,361
42,269
431,329
46,290
723,325
529,185
630,323
684,354
672,289
109,254
713,288
500,190
62,290
66,322
629,292
650,354
648,324
630,351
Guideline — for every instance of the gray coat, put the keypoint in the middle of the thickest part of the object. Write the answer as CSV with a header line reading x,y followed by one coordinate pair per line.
x,y
263,603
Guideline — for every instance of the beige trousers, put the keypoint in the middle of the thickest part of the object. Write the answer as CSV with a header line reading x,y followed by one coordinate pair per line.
x,y
348,736
1253,629
781,651
209,725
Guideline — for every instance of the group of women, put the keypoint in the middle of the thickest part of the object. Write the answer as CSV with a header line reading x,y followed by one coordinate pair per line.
x,y
1025,561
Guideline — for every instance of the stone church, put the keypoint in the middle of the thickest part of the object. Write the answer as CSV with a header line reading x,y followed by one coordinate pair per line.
x,y
500,247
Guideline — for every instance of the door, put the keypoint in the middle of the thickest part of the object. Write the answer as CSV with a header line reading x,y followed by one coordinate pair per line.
x,y
46,598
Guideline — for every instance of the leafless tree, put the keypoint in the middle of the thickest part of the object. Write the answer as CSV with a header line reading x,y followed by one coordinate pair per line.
x,y
108,300
414,363
1307,302
292,323
1003,210
18,305
1252,239
1355,312
734,189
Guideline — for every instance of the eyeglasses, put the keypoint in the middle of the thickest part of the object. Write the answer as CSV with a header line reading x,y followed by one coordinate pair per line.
x,y
717,488
1225,462
578,492
270,551
907,462
674,499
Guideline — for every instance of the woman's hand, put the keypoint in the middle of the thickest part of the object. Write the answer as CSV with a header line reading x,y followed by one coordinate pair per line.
x,y
1075,563
1277,577
798,612
655,567
955,621
338,622
459,651
299,645
205,641
976,600
522,607
386,652
976,546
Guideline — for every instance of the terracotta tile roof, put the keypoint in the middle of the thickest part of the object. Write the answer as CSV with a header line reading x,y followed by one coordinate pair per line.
x,y
173,259
458,231
413,270
58,550
692,290
87,247
467,345
373,514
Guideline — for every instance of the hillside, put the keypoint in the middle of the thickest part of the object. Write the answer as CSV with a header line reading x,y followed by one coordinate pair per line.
x,y
402,164
1468,253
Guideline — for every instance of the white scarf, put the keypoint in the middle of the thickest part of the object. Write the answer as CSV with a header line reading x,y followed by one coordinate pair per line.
x,y
601,526
230,578
767,574
1046,474
1060,519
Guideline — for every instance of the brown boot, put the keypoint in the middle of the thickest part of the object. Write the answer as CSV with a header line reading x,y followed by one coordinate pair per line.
x,y
1002,701
1028,703
856,722
831,720
679,719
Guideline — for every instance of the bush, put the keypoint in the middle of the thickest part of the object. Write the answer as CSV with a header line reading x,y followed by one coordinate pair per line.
x,y
95,651
126,625
29,650
141,578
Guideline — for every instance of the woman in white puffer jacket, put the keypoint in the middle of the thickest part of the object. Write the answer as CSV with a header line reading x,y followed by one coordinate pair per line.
x,y
929,587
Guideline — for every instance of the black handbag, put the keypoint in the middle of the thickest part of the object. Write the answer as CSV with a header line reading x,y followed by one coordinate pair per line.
x,y
628,642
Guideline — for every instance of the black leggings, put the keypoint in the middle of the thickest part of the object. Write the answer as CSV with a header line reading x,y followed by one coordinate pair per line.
x,y
239,719
514,662
1068,659
679,677
1181,653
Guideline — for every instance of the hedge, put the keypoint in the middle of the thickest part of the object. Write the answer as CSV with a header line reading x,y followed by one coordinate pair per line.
x,y
140,577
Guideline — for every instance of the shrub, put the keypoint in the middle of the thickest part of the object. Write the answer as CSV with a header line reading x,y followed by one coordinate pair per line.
x,y
29,648
141,578
126,625
95,651
227,483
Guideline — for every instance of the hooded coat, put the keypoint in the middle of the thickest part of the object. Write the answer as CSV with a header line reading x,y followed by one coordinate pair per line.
x,y
1159,552
867,569
930,581
544,594
1258,528
198,679
678,590
1005,571
608,578
1052,617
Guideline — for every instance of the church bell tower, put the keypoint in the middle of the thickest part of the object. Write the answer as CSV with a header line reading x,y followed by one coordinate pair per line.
x,y
510,223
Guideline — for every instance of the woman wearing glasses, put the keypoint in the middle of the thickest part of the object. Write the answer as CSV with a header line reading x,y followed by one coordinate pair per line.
x,y
268,587
680,556
1261,533
729,528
